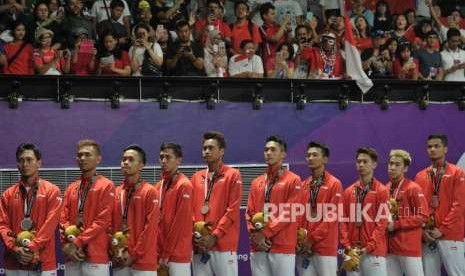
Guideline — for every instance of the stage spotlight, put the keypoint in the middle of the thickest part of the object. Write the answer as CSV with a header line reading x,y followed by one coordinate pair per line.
x,y
165,98
384,100
301,99
422,97
115,98
343,99
211,98
66,98
257,98
14,98
461,100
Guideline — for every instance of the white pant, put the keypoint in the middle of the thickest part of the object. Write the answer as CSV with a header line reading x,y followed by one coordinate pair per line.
x,y
219,264
179,269
127,271
30,273
86,269
272,264
450,253
319,266
400,265
371,265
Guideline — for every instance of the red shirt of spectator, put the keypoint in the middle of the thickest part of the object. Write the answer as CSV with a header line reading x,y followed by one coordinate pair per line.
x,y
120,63
267,31
241,31
42,57
327,65
22,64
220,25
400,6
409,75
82,66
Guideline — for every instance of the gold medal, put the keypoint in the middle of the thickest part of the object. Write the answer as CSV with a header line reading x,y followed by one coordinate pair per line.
x,y
26,224
205,209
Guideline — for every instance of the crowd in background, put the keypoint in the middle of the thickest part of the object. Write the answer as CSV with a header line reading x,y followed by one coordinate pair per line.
x,y
409,39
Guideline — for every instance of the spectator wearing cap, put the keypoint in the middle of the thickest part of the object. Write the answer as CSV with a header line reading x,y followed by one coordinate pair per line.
x,y
406,67
102,11
243,28
453,58
328,62
246,64
48,61
83,53
114,23
75,19
168,16
212,21
359,9
272,33
17,55
362,33
375,61
430,59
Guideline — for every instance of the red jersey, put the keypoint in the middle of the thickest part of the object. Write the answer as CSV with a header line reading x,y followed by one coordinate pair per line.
x,y
324,233
242,32
176,213
119,63
287,189
331,66
142,221
370,234
224,205
42,57
413,212
23,63
81,67
220,25
397,68
98,208
45,215
448,214
267,31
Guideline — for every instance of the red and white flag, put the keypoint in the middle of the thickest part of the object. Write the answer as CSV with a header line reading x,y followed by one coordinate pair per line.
x,y
353,61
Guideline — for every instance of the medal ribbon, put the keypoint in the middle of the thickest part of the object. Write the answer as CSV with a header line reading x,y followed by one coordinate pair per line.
x,y
28,201
209,182
125,204
436,178
315,189
269,185
395,192
82,195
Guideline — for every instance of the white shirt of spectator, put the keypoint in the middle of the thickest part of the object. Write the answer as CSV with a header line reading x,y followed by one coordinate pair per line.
x,y
253,64
449,58
291,7
139,53
330,4
98,11
443,32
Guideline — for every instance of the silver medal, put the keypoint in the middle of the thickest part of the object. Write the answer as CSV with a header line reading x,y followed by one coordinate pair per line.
x,y
205,209
26,224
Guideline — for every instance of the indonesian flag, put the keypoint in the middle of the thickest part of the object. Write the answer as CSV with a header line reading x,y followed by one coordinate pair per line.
x,y
353,62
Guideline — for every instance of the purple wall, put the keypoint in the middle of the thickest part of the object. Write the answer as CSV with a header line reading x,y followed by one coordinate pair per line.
x,y
404,126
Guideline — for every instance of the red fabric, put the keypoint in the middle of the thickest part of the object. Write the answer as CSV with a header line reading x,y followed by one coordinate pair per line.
x,y
97,217
400,6
23,64
45,215
267,31
406,239
363,43
372,234
271,64
81,68
318,63
119,63
42,57
323,234
397,67
222,27
445,22
225,200
143,218
287,189
176,245
241,32
449,215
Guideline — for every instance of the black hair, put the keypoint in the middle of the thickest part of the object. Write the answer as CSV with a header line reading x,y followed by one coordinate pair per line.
x,y
439,136
241,2
27,146
177,149
117,52
245,42
324,149
139,150
402,47
279,140
182,23
452,32
216,135
264,9
116,4
371,152
290,49
388,9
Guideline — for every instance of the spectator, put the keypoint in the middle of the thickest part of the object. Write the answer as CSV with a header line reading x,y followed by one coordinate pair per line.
x,y
272,33
246,64
43,20
18,53
362,33
402,33
453,22
328,63
282,67
215,55
146,56
291,9
411,17
10,11
112,60
213,20
453,58
359,9
303,49
168,16
2,56
83,53
422,30
406,67
383,17
114,23
102,11
54,8
336,25
376,62
48,61
430,59
185,58
74,20
243,29
329,7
